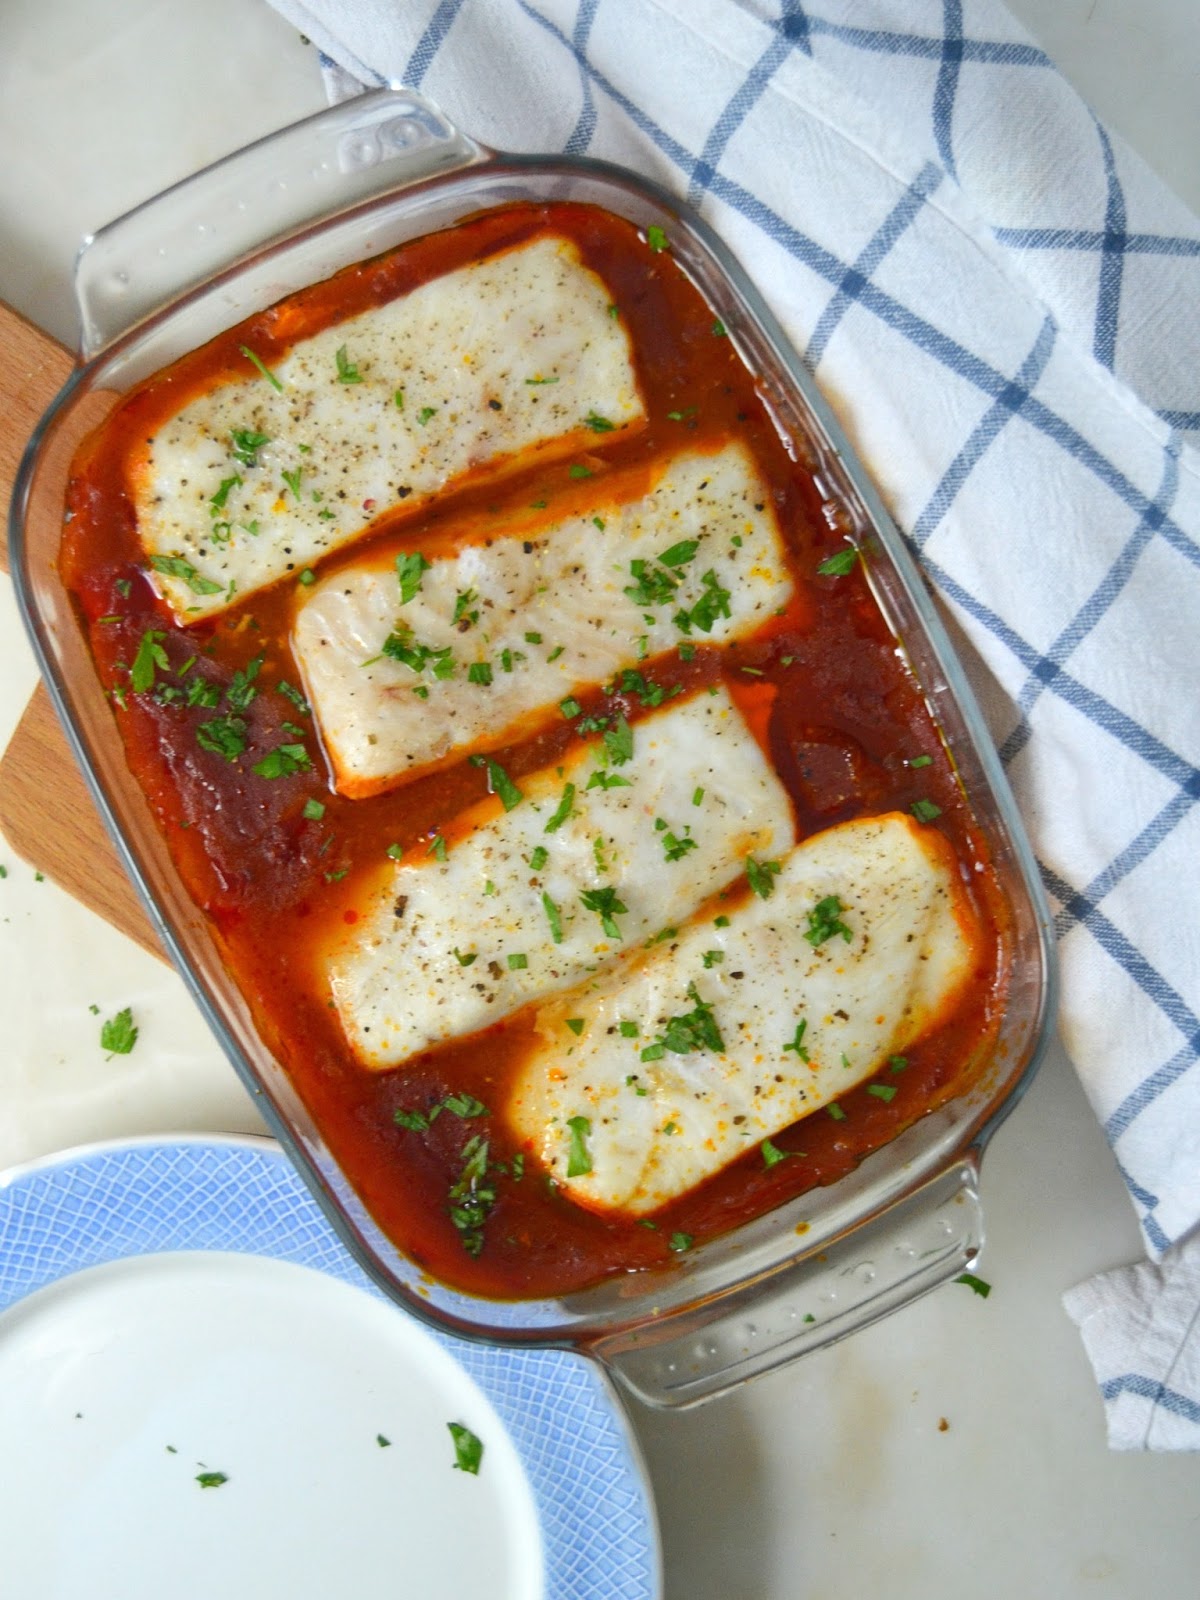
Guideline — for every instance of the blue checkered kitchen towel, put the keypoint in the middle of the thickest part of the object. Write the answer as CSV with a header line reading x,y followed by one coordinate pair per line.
x,y
1000,302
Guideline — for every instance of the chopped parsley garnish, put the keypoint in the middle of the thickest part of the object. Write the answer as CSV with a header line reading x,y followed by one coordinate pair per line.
x,y
680,554
293,480
468,1448
925,810
398,399
597,424
570,707
410,569
618,743
921,761
719,329
464,601
824,922
533,638
835,1111
425,413
241,691
119,1034
652,586
555,653
579,1160
628,1030
283,761
257,361
897,1063
679,1242
607,780
499,782
463,1106
598,522
244,445
650,694
657,239
313,811
400,646
607,906
761,876
536,383
553,917
979,1285
466,960
578,470
177,567
480,672
697,796
212,1480
517,961
797,1044
565,806
576,1025
472,1198
712,958
394,852
347,372
882,1091
224,736
437,848
712,604
294,695
150,654
771,1154
691,1031
837,566
539,858
675,848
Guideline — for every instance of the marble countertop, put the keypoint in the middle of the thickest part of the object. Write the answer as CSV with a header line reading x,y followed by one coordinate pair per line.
x,y
836,1478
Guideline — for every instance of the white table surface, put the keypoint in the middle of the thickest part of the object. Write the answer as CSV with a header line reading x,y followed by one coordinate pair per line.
x,y
833,1480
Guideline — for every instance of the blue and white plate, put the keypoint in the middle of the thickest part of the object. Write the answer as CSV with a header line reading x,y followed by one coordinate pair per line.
x,y
201,1394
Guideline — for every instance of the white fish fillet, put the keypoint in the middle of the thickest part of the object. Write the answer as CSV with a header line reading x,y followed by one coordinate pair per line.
x,y
566,585
459,352
397,979
657,1128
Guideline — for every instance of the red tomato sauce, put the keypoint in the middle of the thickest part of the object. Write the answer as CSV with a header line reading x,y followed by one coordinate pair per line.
x,y
822,687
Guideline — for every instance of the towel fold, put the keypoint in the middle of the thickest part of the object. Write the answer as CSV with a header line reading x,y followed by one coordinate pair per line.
x,y
998,298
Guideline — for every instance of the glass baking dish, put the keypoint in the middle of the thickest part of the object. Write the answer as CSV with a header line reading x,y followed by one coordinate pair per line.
x,y
291,210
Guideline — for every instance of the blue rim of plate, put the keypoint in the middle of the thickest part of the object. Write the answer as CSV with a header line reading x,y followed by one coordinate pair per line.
x,y
108,1202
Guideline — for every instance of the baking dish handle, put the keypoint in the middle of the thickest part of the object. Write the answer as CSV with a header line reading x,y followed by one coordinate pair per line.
x,y
270,190
918,1243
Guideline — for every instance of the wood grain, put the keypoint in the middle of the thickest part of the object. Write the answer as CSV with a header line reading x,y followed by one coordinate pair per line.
x,y
46,812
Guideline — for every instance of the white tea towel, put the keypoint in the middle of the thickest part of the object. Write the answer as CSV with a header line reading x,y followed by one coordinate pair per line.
x,y
1141,1328
999,301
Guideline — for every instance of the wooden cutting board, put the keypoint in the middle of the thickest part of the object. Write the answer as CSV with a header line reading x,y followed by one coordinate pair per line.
x,y
46,812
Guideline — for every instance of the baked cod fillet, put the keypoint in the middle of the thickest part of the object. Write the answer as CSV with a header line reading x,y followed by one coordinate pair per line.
x,y
251,481
597,853
706,1046
490,637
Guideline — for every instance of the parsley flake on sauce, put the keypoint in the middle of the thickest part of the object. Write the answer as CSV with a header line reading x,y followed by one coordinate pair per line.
x,y
882,1091
224,736
150,655
313,811
771,1154
499,782
925,810
837,566
283,761
468,1448
579,1159
657,239
119,1034
473,1196
679,1242
824,922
